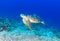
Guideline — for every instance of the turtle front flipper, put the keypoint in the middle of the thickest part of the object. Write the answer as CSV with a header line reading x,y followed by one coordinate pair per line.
x,y
27,23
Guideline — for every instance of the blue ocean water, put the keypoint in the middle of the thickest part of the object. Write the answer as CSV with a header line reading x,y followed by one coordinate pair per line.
x,y
47,10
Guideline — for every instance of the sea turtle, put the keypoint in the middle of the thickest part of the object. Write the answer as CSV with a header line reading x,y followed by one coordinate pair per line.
x,y
28,19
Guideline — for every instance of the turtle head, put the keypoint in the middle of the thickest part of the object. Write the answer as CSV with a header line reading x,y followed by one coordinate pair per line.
x,y
22,15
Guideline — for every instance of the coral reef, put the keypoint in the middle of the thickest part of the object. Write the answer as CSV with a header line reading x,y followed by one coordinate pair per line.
x,y
14,30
